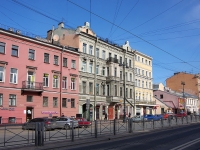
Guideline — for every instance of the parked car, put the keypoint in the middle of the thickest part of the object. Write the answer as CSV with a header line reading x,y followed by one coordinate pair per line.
x,y
149,117
168,115
181,114
158,117
49,124
82,122
138,118
66,122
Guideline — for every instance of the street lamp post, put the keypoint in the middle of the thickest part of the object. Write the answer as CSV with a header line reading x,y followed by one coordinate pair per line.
x,y
183,83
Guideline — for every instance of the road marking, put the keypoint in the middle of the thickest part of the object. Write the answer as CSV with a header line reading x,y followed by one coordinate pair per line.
x,y
180,147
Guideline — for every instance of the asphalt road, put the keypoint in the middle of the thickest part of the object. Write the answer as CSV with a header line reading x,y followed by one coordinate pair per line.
x,y
182,138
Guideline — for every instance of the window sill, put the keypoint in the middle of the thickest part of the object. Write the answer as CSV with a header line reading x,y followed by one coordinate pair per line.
x,y
14,56
65,66
64,107
56,64
45,87
31,59
3,53
12,106
13,83
73,68
55,106
46,62
73,107
55,88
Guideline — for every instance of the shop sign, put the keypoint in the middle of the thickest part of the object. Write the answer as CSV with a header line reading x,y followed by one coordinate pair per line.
x,y
5,108
49,112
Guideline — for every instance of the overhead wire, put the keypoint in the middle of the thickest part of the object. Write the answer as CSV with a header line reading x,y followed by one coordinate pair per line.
x,y
135,35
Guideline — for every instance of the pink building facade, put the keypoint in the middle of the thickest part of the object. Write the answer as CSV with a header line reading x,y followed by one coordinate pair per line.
x,y
37,79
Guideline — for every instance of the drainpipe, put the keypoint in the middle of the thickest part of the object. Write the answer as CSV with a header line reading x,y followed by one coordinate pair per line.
x,y
95,76
124,76
61,64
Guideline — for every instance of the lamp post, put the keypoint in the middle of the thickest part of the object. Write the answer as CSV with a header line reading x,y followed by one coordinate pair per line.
x,y
183,84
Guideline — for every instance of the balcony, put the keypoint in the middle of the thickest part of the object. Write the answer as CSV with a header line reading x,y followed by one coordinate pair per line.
x,y
28,86
144,102
111,59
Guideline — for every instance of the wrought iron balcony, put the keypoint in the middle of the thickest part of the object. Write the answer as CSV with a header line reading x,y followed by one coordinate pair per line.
x,y
32,86
111,59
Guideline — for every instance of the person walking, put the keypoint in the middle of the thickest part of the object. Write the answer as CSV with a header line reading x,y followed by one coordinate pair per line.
x,y
105,116
129,115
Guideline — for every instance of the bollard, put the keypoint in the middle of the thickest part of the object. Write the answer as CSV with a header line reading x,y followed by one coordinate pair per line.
x,y
114,127
95,128
143,124
161,122
72,131
130,124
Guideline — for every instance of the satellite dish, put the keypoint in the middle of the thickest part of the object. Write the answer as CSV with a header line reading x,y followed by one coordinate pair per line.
x,y
55,37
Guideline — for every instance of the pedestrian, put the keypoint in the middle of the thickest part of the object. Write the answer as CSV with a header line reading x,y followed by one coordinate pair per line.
x,y
105,116
62,115
129,115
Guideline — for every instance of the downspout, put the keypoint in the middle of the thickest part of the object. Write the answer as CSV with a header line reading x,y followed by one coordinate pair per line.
x,y
61,64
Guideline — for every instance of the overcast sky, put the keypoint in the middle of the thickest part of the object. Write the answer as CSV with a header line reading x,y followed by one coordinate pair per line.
x,y
166,30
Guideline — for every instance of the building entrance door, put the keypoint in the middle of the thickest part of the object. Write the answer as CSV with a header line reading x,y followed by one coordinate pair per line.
x,y
29,113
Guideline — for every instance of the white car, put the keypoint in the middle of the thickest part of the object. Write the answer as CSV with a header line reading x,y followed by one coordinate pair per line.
x,y
138,118
66,122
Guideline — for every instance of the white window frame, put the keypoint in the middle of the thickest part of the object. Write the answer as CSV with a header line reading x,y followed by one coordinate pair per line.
x,y
2,47
73,64
91,50
45,101
12,100
85,48
73,84
103,54
55,60
90,67
97,69
55,81
2,74
45,80
31,54
84,66
97,52
14,76
64,82
1,99
55,102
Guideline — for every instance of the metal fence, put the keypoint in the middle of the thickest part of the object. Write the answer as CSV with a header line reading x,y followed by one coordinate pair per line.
x,y
13,135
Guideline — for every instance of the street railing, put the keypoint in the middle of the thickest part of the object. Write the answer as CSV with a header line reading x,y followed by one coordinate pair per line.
x,y
14,135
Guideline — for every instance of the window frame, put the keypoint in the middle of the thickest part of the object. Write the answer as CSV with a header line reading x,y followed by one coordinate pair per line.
x,y
46,79
91,50
73,64
56,60
3,47
64,62
97,52
73,83
45,104
55,81
31,52
55,102
64,99
84,66
1,99
46,58
15,48
72,103
85,48
27,98
103,54
64,82
2,73
12,100
14,75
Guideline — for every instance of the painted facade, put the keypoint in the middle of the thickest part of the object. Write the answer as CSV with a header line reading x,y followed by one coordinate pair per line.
x,y
37,79
101,73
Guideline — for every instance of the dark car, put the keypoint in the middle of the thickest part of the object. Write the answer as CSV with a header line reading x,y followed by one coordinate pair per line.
x,y
181,115
49,124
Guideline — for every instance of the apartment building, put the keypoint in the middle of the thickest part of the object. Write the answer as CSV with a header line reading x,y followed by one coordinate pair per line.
x,y
37,78
103,66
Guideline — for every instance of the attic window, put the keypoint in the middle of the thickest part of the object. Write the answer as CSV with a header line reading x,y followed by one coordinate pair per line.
x,y
86,30
161,96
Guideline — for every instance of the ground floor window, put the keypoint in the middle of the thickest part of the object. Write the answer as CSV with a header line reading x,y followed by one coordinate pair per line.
x,y
72,103
64,102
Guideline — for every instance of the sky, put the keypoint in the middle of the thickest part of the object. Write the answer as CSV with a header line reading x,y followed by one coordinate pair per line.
x,y
166,30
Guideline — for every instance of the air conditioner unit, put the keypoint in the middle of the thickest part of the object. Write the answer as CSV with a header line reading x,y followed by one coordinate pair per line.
x,y
11,29
18,32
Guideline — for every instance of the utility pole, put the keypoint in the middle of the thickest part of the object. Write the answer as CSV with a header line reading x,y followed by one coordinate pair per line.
x,y
183,83
95,76
124,76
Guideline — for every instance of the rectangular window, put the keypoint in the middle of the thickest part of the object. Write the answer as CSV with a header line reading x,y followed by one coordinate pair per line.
x,y
29,98
136,82
55,62
103,54
64,102
121,91
84,87
14,50
64,62
12,100
74,64
46,58
90,88
97,69
97,89
115,90
142,84
150,74
1,74
120,75
161,96
130,63
55,102
143,72
72,103
120,59
84,48
31,54
131,94
103,71
45,80
138,71
90,67
1,99
55,81
91,50
115,73
83,66
126,76
108,74
73,83
2,48
125,61
97,52
13,75
131,77
104,89
126,92
147,73
64,83
45,101
146,84
149,85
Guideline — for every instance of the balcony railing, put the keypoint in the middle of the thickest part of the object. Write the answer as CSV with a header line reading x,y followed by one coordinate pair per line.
x,y
111,59
32,85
